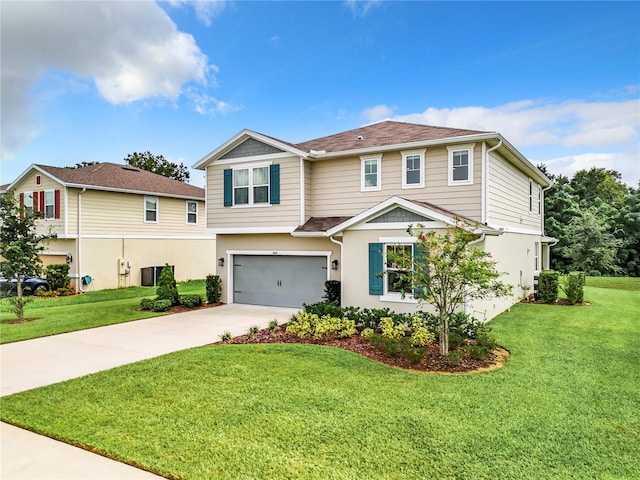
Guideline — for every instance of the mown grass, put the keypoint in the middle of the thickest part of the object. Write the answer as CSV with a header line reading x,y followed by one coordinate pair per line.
x,y
92,309
619,283
564,406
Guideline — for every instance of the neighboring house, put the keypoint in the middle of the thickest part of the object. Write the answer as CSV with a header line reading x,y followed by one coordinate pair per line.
x,y
289,216
111,221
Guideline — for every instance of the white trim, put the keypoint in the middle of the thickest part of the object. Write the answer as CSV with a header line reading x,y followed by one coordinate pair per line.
x,y
484,185
53,204
408,153
54,252
457,148
524,231
397,225
393,298
243,230
257,158
186,206
363,160
407,239
107,236
144,209
250,167
302,193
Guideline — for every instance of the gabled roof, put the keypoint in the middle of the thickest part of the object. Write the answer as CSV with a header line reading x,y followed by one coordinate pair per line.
x,y
118,178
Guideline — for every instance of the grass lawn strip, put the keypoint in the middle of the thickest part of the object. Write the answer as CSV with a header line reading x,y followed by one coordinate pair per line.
x,y
564,406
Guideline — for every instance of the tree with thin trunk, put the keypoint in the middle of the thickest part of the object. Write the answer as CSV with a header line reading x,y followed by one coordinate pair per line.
x,y
447,271
20,246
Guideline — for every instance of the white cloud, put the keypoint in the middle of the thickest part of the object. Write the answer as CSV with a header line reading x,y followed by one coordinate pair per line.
x,y
206,10
130,51
360,8
378,113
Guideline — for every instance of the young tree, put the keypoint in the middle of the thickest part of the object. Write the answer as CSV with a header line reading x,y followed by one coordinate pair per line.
x,y
593,247
447,272
19,247
158,164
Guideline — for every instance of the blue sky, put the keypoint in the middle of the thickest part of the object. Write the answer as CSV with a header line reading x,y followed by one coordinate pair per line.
x,y
95,81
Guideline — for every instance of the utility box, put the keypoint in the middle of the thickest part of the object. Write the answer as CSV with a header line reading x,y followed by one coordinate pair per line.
x,y
150,275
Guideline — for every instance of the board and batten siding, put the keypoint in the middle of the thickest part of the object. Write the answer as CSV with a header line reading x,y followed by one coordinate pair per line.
x,y
284,214
508,196
336,186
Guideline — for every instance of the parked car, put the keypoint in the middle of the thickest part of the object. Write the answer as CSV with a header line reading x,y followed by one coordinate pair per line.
x,y
30,285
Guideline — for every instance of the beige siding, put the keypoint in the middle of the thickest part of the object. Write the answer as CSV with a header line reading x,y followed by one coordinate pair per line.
x,y
28,184
336,185
269,243
286,214
508,196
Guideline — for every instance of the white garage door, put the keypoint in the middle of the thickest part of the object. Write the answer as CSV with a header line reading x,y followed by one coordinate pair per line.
x,y
278,280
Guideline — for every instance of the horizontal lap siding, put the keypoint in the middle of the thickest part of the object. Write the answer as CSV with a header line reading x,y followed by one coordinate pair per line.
x,y
336,185
287,213
508,196
28,184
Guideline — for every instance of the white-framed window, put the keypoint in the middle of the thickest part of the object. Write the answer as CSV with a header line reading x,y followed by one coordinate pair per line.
x,y
413,169
251,185
49,205
535,198
394,284
536,256
461,164
28,202
151,209
192,212
371,167
539,200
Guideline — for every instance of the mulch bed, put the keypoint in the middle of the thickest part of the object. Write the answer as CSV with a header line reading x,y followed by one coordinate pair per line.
x,y
561,301
432,363
182,308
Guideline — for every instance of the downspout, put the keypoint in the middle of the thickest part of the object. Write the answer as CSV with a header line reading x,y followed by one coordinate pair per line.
x,y
549,245
341,266
303,213
79,254
485,181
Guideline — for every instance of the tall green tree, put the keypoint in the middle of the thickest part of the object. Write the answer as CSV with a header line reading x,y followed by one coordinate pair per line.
x,y
599,183
20,246
628,231
158,164
447,272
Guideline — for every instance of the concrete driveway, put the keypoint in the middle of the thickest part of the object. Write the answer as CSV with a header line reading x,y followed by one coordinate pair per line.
x,y
44,361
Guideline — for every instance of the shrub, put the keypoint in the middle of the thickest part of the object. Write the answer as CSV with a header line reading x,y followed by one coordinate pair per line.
x,y
161,305
213,286
310,324
225,336
273,325
253,329
167,288
456,340
66,291
332,291
420,335
323,308
573,287
191,301
455,357
57,276
391,331
548,285
147,303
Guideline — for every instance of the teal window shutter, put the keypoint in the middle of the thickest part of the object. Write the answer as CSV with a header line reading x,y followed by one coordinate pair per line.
x,y
419,254
375,269
274,179
228,187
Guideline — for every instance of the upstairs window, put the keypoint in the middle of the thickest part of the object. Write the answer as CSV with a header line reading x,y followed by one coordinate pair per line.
x,y
192,213
413,169
461,164
251,185
49,205
535,198
370,173
151,209
28,202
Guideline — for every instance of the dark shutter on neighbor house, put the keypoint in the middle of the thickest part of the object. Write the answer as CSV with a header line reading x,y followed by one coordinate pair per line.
x,y
56,204
228,187
375,269
42,207
36,201
419,254
21,205
274,180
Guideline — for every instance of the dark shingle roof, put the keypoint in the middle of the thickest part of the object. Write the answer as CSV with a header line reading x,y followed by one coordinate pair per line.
x,y
382,134
112,176
321,224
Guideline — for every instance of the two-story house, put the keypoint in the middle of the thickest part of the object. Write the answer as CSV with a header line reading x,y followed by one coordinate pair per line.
x,y
112,221
289,216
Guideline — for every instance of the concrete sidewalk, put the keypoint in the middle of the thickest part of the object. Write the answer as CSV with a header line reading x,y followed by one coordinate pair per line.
x,y
44,361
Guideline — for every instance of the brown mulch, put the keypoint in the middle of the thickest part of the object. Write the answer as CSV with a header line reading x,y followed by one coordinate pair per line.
x,y
560,301
432,363
16,321
182,308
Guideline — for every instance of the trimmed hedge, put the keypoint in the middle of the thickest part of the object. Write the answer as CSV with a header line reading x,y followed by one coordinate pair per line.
x,y
548,285
191,301
213,286
573,287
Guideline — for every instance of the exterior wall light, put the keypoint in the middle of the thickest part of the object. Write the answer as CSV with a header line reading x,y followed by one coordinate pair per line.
x,y
334,265
221,262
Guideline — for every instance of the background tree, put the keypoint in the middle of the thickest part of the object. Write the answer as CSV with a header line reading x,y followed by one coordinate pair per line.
x,y
83,164
628,231
158,164
20,246
448,272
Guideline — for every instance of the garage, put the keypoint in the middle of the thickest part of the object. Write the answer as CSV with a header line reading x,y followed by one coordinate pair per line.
x,y
278,280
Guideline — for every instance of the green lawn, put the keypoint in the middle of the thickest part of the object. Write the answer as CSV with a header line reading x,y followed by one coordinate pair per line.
x,y
92,309
564,406
620,283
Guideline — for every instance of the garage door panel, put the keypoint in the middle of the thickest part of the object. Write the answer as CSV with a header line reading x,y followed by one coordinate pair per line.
x,y
278,280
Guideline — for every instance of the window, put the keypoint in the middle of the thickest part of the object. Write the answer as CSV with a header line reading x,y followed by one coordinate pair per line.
x,y
251,185
461,164
539,200
370,175
151,209
536,250
403,254
192,213
28,201
413,169
49,205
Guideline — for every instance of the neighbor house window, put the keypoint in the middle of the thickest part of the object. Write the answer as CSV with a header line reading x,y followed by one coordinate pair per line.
x,y
151,209
370,173
49,204
413,169
461,164
28,201
398,257
192,213
251,185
